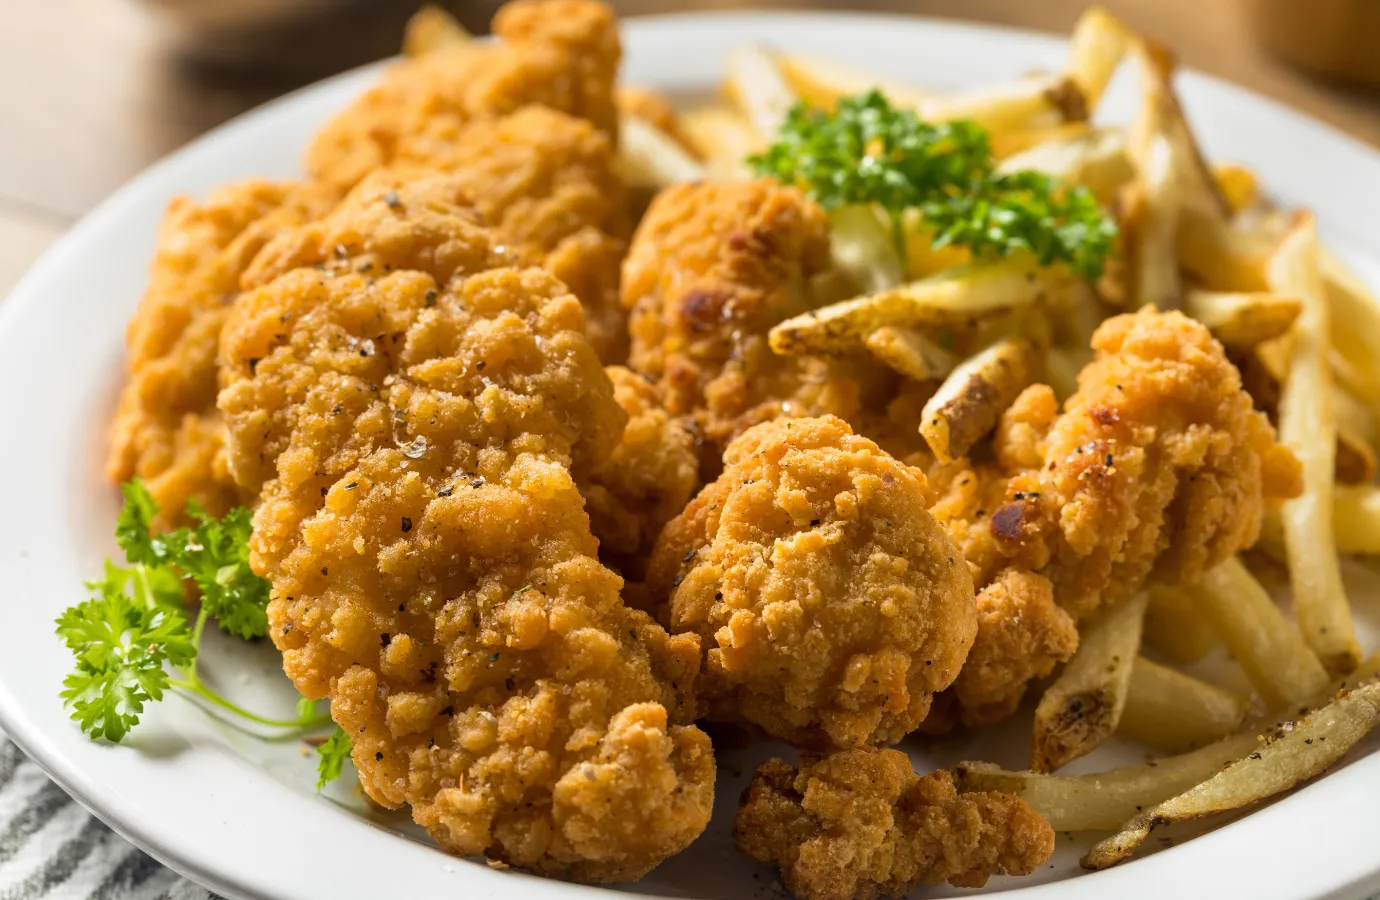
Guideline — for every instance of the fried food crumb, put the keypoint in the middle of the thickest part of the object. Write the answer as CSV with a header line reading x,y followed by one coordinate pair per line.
x,y
860,824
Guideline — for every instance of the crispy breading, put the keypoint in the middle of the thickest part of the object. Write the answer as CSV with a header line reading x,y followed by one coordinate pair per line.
x,y
861,824
414,410
166,430
562,54
1022,634
1158,467
645,482
544,182
830,604
712,268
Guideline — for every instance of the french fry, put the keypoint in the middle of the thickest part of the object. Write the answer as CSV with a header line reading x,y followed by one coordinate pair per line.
x,y
955,296
1097,159
1098,45
1287,755
1269,649
1083,706
822,82
1105,800
1355,463
971,400
647,157
1220,256
1150,225
1174,713
1237,185
1008,143
863,249
1242,319
1030,103
911,353
722,138
758,89
1356,519
430,29
1354,325
1174,627
1307,425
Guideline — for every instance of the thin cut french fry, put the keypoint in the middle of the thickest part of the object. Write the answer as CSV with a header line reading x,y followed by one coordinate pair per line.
x,y
1038,102
1242,319
1099,43
647,157
1237,185
757,87
1105,800
1356,519
723,140
1175,627
822,82
1220,256
1008,143
1269,649
1307,425
911,353
1173,712
1287,755
971,400
1083,706
863,249
1150,226
957,295
1097,159
1354,326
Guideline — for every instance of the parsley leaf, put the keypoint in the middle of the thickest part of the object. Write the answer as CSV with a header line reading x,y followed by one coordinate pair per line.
x,y
134,526
215,556
867,152
120,647
334,752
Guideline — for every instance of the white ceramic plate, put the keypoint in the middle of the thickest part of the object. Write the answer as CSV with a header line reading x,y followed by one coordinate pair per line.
x,y
241,815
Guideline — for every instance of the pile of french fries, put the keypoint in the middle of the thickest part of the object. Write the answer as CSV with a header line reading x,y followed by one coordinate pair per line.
x,y
1200,238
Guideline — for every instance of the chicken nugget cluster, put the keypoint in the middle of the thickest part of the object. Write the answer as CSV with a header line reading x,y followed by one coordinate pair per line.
x,y
415,409
534,495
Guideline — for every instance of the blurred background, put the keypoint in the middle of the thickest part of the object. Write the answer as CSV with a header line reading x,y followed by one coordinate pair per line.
x,y
93,91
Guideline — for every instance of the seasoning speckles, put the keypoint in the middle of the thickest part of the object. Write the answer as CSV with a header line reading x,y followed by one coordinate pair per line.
x,y
406,524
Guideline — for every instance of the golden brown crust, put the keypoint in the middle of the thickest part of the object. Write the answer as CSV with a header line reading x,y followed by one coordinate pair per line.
x,y
1022,634
167,430
860,824
413,409
830,604
711,269
561,54
645,482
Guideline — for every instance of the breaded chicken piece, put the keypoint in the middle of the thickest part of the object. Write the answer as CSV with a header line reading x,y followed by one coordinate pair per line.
x,y
712,268
860,824
166,430
413,411
1159,466
1022,634
645,482
1157,469
544,182
830,604
561,54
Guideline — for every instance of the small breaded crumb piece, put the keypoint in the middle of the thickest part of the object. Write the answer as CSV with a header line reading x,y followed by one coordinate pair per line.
x,y
860,824
1022,634
830,604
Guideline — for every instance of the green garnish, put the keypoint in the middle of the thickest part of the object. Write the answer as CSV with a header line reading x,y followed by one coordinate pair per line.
x,y
867,152
334,753
134,627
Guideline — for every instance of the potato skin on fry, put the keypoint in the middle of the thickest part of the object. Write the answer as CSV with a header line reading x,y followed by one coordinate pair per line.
x,y
862,824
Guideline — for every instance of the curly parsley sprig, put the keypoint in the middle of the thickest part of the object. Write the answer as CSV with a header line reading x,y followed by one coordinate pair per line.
x,y
134,628
867,152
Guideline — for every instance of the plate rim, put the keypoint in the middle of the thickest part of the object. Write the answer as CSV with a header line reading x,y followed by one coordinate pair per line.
x,y
86,787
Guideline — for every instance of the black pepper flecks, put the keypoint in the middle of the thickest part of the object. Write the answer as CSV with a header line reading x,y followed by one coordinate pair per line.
x,y
406,524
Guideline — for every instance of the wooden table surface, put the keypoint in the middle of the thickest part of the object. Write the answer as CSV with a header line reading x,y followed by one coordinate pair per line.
x,y
93,91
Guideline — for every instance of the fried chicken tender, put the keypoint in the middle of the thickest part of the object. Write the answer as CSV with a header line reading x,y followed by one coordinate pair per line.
x,y
544,182
860,824
413,410
167,430
645,482
1157,469
561,54
711,269
831,605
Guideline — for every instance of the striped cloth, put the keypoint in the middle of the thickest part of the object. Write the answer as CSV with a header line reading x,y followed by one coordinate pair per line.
x,y
51,848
